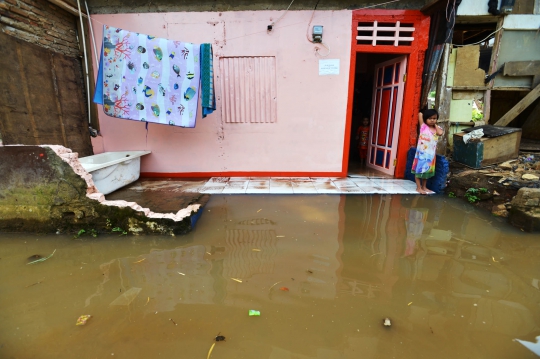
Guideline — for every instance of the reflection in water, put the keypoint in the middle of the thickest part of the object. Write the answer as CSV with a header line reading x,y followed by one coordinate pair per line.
x,y
322,270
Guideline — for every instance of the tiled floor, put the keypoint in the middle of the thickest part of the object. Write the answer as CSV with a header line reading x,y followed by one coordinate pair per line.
x,y
354,184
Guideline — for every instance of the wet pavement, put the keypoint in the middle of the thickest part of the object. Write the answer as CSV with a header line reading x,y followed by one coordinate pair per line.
x,y
324,271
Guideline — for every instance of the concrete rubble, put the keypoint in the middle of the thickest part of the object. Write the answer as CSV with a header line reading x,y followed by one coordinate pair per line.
x,y
505,189
46,189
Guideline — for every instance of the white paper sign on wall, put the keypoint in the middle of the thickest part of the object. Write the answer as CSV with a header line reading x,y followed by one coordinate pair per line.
x,y
329,67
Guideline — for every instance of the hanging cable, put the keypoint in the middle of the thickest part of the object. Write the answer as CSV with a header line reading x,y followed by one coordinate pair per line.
x,y
479,42
275,22
317,50
310,20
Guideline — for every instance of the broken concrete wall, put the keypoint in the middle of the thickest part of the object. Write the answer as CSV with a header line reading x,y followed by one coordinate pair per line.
x,y
45,189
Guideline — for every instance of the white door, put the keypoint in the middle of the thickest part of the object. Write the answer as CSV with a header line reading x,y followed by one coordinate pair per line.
x,y
389,82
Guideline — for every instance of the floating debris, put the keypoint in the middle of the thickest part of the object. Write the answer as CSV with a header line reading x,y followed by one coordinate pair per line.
x,y
259,210
387,322
219,338
237,280
254,313
285,289
180,273
139,261
127,297
273,285
409,303
41,259
210,351
31,285
255,249
173,321
83,319
534,347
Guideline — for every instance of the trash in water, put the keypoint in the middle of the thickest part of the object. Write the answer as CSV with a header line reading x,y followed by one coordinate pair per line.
x,y
210,351
285,289
139,261
83,319
173,321
31,285
273,285
387,322
39,258
219,338
237,280
409,303
127,297
255,249
255,313
534,347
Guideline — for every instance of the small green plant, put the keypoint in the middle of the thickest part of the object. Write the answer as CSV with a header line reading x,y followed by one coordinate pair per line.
x,y
483,190
471,195
80,233
108,223
477,115
93,233
452,195
118,229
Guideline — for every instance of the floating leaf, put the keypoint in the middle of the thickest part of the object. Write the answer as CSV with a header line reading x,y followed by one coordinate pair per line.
x,y
42,259
83,319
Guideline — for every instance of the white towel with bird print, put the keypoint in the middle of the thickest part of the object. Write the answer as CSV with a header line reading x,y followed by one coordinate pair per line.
x,y
151,79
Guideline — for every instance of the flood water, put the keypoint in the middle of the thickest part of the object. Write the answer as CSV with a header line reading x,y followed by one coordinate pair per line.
x,y
323,271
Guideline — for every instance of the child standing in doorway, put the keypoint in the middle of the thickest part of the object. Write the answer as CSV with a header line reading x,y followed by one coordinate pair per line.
x,y
423,166
362,136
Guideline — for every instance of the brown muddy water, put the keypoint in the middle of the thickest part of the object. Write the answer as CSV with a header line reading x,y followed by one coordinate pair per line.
x,y
324,271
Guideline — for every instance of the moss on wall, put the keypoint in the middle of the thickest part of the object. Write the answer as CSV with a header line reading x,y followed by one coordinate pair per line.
x,y
39,192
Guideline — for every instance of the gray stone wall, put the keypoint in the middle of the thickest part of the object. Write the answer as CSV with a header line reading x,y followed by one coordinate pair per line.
x,y
143,6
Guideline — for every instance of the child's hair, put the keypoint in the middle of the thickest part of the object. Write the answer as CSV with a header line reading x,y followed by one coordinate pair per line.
x,y
430,112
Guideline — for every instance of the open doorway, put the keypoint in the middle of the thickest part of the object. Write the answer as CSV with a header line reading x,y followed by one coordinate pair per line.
x,y
378,94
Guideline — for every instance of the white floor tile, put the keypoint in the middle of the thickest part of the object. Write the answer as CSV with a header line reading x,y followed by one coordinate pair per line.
x,y
281,190
257,190
212,190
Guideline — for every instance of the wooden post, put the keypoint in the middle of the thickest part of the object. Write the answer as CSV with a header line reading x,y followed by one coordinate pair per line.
x,y
519,107
442,101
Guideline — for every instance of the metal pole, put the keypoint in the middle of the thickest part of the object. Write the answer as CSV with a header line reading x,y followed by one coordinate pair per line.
x,y
91,32
85,63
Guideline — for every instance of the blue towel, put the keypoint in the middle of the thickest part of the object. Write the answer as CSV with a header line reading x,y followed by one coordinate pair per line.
x,y
208,99
98,94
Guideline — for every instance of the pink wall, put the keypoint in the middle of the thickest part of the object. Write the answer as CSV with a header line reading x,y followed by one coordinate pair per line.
x,y
308,134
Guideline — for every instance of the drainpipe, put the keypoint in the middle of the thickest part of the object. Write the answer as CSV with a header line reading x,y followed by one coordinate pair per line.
x,y
85,63
91,31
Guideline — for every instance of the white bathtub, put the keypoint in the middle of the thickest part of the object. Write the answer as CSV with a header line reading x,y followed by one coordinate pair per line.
x,y
113,170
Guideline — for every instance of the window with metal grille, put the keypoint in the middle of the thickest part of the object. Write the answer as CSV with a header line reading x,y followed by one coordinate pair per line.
x,y
248,87
384,33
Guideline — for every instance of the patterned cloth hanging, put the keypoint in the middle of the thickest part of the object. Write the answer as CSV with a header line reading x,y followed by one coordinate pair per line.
x,y
146,78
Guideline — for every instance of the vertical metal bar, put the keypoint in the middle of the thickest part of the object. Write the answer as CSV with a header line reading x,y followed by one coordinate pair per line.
x,y
85,63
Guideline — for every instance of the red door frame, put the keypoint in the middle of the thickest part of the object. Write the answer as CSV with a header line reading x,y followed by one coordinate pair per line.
x,y
413,85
